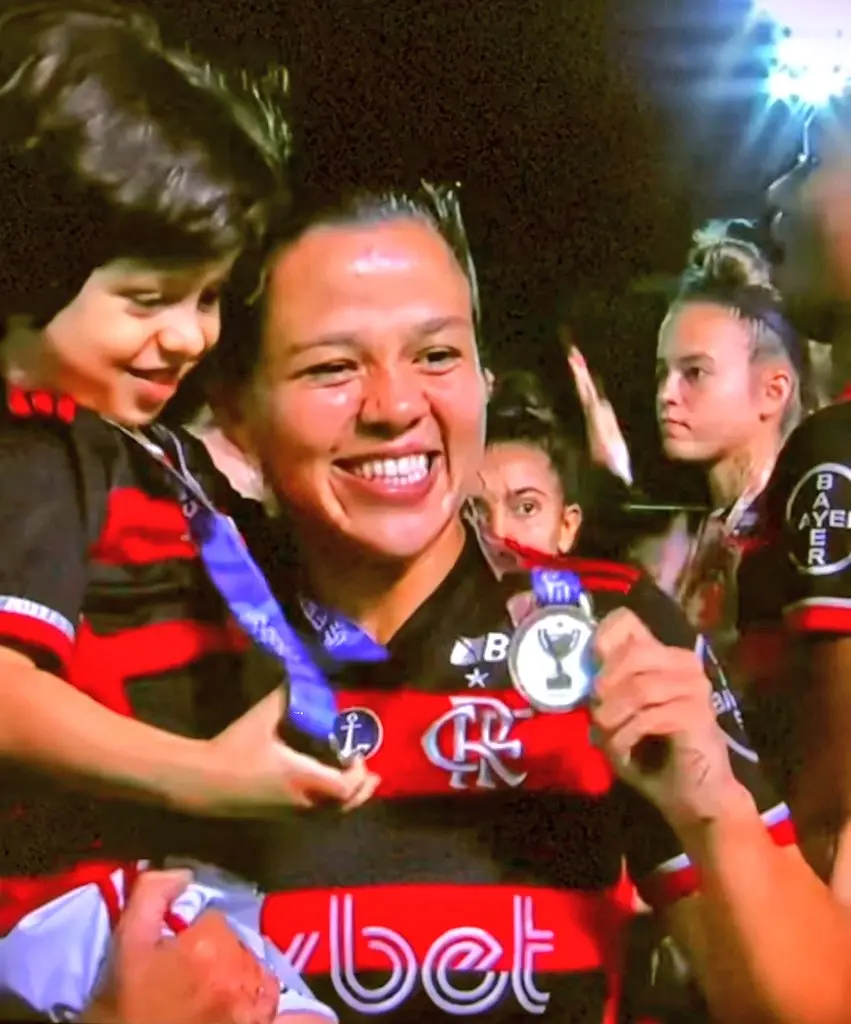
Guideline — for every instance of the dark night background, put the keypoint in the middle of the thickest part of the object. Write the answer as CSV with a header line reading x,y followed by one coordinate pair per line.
x,y
591,138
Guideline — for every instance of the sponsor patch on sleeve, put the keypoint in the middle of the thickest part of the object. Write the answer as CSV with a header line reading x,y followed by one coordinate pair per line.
x,y
818,520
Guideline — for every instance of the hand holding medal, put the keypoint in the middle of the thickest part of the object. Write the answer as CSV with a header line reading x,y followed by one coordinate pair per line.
x,y
555,657
655,721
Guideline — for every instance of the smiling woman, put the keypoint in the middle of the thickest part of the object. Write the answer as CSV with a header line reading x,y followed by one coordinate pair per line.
x,y
367,406
492,827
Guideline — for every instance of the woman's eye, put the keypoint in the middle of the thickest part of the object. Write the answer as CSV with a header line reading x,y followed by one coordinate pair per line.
x,y
440,358
528,508
329,371
694,374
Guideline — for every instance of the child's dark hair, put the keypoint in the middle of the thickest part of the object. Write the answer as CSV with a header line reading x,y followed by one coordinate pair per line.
x,y
112,148
235,358
520,413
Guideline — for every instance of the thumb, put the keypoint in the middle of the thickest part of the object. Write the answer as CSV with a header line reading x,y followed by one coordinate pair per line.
x,y
141,923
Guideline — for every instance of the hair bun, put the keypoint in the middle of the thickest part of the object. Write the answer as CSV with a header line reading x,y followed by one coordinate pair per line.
x,y
721,261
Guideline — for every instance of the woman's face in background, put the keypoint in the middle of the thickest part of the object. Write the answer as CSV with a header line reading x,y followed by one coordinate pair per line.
x,y
707,399
369,407
520,498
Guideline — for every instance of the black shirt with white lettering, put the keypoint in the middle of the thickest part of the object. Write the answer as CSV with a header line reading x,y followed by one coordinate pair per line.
x,y
795,580
485,878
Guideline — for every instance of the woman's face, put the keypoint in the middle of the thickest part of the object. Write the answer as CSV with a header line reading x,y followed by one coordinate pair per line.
x,y
710,399
368,409
520,498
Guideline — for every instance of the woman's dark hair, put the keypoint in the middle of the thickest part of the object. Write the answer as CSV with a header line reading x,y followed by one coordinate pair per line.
x,y
732,272
235,358
520,413
113,147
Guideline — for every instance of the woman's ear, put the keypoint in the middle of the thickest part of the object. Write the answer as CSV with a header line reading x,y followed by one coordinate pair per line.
x,y
571,521
490,381
777,388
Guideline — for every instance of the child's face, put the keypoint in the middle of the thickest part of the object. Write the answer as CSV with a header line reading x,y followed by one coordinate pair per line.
x,y
123,345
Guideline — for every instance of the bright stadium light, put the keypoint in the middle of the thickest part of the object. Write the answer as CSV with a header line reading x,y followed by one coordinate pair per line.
x,y
810,54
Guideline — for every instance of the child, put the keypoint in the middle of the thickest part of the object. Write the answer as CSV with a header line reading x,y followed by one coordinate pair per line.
x,y
129,190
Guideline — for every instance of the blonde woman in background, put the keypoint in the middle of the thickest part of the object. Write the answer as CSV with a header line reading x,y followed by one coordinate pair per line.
x,y
733,382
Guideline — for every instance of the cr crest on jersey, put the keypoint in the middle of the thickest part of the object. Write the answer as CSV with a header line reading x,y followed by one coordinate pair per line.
x,y
358,732
551,659
818,517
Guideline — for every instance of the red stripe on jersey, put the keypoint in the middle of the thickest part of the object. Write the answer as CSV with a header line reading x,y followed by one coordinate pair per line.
x,y
34,632
532,559
601,567
663,888
101,665
544,930
609,584
26,404
438,743
21,896
816,618
140,530
761,656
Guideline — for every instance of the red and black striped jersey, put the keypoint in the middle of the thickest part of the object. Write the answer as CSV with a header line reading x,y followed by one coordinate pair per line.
x,y
485,878
795,579
798,574
101,584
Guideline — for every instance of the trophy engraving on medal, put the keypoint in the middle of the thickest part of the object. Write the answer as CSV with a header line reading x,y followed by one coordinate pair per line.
x,y
551,658
558,648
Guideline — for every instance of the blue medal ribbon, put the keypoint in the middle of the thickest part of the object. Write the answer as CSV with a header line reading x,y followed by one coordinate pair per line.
x,y
556,586
312,705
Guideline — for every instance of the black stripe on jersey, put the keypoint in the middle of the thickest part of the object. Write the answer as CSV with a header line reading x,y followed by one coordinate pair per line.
x,y
546,839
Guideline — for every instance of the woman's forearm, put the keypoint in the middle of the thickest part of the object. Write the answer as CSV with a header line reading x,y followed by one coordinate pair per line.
x,y
767,938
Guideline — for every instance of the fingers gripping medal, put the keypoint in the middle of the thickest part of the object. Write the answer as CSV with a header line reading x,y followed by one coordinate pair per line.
x,y
551,655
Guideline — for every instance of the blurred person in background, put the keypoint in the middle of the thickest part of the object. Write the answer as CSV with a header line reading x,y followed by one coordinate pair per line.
x,y
530,479
732,381
795,585
730,392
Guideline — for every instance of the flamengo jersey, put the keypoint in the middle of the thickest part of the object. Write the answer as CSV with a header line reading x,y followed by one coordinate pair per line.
x,y
796,578
484,879
101,584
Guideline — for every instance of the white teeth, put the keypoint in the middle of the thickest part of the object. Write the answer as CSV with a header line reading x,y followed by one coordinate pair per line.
x,y
410,469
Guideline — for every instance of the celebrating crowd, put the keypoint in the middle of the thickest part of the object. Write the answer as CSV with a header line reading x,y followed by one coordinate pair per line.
x,y
273,742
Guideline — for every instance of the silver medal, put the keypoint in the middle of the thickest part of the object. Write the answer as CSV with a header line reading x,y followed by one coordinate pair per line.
x,y
551,658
